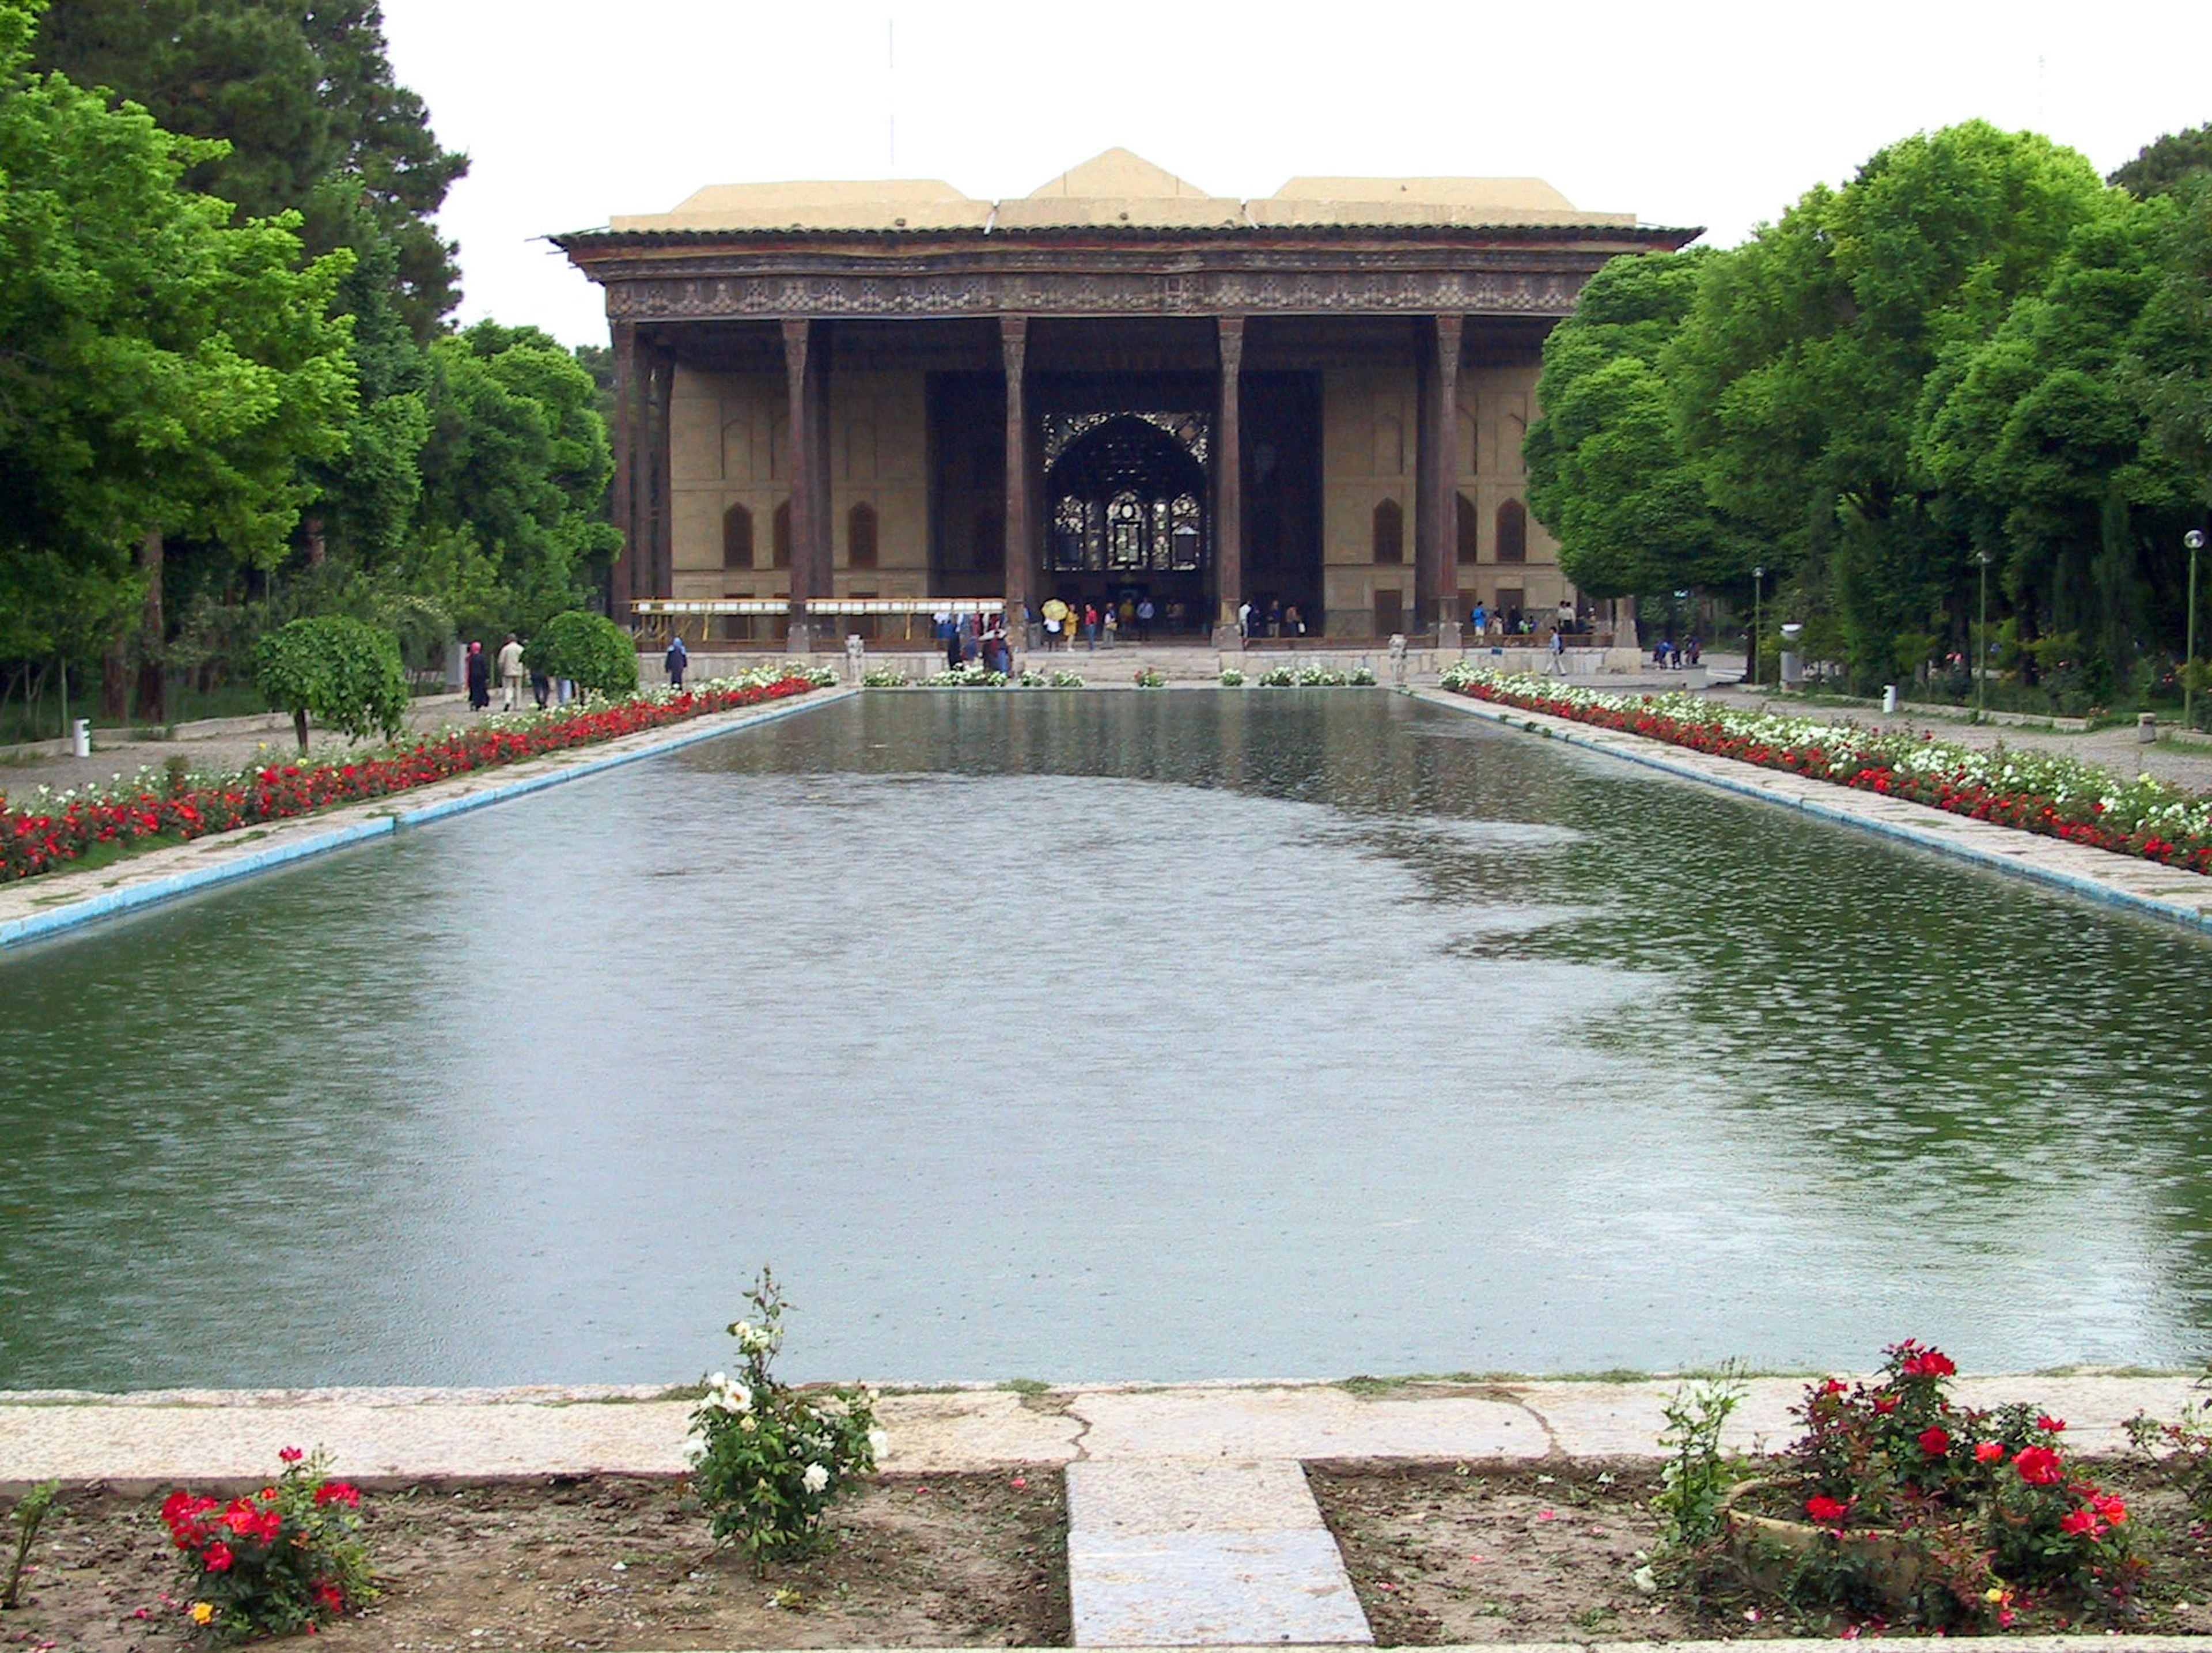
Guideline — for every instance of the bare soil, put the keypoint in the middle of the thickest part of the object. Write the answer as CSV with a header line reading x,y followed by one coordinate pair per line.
x,y
614,1562
1454,1552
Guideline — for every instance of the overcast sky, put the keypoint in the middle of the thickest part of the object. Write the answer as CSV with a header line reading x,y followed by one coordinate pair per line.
x,y
1686,113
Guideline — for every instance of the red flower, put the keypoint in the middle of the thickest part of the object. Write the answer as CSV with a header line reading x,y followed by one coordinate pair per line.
x,y
216,1558
329,1596
1833,1386
2077,1521
291,1455
338,1492
2113,1509
2050,1425
1936,1440
1825,1510
1989,1452
2039,1466
1885,1404
1929,1363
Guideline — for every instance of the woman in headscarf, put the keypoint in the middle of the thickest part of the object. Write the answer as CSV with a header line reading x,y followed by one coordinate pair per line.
x,y
479,679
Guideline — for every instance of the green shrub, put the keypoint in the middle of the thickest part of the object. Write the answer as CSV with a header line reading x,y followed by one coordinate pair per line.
x,y
344,673
768,1459
31,1511
589,650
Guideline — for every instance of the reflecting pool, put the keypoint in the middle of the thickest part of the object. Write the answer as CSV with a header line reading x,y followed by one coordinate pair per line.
x,y
1087,1036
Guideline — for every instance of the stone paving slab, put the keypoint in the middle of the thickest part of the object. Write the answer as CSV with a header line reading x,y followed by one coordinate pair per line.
x,y
1307,1421
1181,1554
141,1443
2164,892
385,1435
35,908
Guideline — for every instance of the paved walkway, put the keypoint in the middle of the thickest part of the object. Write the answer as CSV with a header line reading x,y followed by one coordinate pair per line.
x,y
214,744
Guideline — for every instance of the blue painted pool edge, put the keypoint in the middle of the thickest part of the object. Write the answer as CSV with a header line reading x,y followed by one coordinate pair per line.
x,y
40,926
1941,844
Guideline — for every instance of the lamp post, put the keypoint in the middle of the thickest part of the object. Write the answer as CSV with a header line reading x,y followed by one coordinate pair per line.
x,y
1982,645
1757,587
2194,539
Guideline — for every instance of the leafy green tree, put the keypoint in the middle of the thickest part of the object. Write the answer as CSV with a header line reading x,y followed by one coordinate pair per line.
x,y
2040,444
303,92
2162,166
514,473
164,372
1799,372
589,650
344,674
1607,471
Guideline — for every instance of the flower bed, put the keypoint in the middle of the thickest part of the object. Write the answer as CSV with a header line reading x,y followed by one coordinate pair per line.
x,y
53,829
2057,796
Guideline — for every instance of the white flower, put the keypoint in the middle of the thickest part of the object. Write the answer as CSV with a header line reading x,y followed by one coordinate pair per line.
x,y
746,1423
719,1380
878,1442
816,1478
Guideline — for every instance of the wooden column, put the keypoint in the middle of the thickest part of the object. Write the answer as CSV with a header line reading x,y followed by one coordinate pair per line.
x,y
820,529
620,578
662,381
1435,568
798,339
1013,347
1229,488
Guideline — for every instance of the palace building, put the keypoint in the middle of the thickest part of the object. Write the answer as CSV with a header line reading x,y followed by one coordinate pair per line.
x,y
1116,385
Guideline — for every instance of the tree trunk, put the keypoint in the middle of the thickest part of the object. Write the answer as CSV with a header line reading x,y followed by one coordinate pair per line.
x,y
311,534
299,728
152,682
115,682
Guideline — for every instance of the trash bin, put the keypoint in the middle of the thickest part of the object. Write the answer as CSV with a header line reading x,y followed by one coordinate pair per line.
x,y
81,738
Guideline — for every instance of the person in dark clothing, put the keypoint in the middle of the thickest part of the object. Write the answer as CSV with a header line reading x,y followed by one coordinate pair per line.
x,y
479,678
678,659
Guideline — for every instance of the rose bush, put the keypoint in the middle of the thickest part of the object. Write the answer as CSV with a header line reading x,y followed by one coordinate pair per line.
x,y
1976,1514
769,1458
53,829
2044,793
285,1559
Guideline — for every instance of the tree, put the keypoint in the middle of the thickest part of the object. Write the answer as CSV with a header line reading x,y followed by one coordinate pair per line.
x,y
589,650
2039,441
2161,167
1606,472
514,470
1800,371
303,92
344,674
164,372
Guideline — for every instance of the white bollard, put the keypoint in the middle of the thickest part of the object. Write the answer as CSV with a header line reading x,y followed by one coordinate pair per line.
x,y
2146,728
1889,697
81,738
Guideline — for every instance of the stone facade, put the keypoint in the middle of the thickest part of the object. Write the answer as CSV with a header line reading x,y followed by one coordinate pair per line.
x,y
1313,400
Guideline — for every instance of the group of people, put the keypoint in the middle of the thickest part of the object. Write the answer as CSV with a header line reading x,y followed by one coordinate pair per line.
x,y
974,640
1058,622
1274,621
1670,656
477,673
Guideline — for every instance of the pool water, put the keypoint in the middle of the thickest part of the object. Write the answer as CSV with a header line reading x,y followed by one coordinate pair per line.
x,y
1088,1037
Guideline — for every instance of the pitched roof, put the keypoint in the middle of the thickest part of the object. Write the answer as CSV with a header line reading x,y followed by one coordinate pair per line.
x,y
1121,190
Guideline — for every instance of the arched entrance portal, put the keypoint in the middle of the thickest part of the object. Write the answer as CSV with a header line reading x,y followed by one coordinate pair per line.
x,y
1126,514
